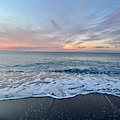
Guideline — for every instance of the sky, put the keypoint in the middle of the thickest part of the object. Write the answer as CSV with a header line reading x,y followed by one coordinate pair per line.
x,y
60,25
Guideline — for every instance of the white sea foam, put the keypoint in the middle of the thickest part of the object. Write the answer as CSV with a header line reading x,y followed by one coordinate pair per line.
x,y
57,85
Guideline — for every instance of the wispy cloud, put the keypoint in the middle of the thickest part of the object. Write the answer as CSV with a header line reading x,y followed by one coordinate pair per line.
x,y
82,47
22,48
101,47
54,24
104,29
98,24
117,46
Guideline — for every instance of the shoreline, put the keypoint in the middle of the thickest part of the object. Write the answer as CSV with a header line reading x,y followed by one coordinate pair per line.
x,y
81,107
58,98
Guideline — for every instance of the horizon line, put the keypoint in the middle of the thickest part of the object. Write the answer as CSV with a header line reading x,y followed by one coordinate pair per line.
x,y
93,51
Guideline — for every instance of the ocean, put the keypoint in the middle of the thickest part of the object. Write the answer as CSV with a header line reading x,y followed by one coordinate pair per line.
x,y
58,74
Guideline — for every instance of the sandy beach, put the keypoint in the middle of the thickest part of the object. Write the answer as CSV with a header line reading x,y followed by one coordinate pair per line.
x,y
87,107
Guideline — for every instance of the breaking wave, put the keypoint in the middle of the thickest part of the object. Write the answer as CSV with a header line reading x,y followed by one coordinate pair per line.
x,y
56,85
88,71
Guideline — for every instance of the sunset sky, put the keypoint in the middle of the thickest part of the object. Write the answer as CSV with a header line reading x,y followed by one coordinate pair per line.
x,y
60,25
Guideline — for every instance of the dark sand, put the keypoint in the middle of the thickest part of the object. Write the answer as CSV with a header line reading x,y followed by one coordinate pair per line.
x,y
88,107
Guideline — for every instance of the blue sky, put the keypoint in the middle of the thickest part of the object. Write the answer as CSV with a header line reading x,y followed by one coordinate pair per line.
x,y
60,25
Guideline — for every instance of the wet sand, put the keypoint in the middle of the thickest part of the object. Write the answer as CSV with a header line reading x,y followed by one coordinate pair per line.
x,y
87,107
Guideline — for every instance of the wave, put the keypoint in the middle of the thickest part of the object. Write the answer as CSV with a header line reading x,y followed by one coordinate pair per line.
x,y
106,71
57,85
66,62
20,65
88,71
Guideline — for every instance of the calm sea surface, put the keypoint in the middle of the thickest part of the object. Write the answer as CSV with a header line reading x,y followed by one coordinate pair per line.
x,y
58,74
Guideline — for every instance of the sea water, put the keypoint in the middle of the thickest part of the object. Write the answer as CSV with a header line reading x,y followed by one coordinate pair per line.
x,y
58,74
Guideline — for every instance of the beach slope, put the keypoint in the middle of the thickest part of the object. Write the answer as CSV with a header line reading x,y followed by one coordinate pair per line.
x,y
92,106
